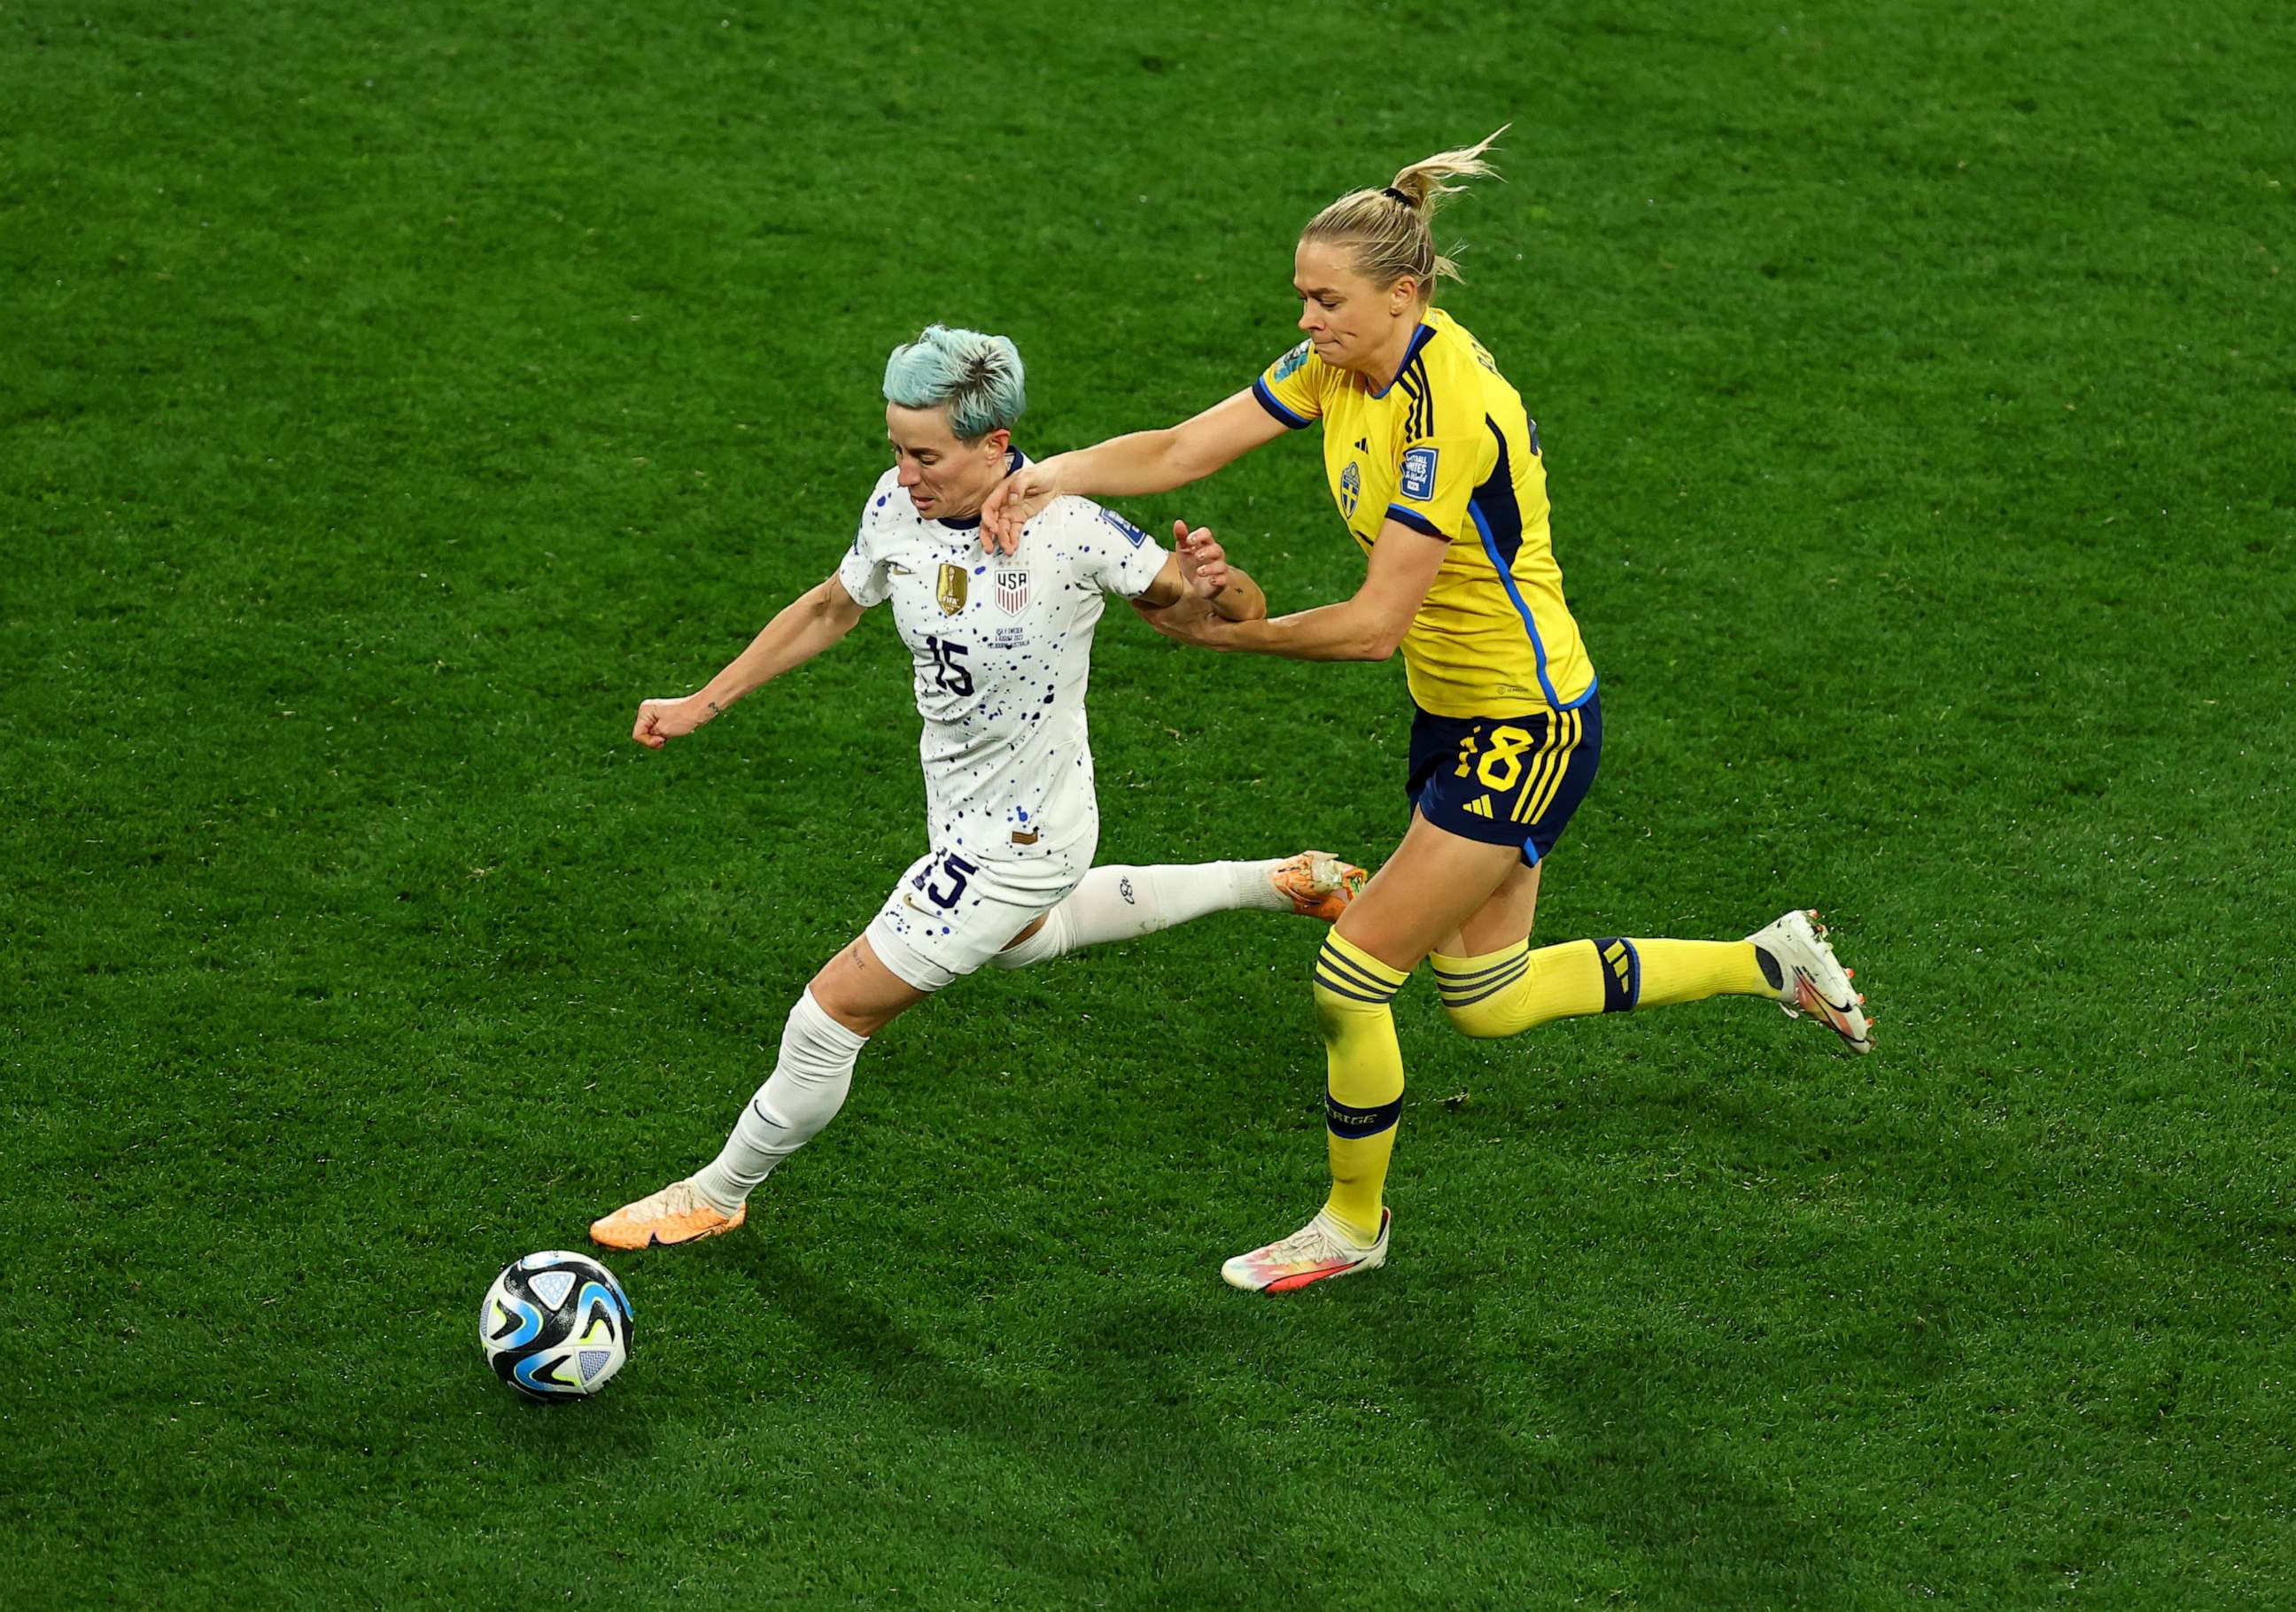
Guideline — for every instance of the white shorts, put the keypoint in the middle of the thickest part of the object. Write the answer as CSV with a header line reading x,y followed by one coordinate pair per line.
x,y
948,915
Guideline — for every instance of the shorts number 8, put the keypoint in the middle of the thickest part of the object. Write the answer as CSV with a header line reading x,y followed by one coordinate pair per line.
x,y
1502,764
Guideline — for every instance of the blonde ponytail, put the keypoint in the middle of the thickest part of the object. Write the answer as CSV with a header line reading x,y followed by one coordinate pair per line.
x,y
1390,231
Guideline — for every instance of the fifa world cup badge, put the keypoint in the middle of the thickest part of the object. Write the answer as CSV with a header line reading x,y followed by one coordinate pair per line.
x,y
951,591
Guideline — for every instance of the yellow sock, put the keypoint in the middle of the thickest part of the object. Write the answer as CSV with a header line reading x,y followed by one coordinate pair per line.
x,y
1506,992
1692,971
1363,1097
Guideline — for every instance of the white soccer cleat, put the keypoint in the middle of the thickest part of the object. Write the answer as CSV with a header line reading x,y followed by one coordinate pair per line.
x,y
1317,1251
1317,884
1815,982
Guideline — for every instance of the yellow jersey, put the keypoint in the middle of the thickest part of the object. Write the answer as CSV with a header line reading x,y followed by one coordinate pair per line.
x,y
1446,448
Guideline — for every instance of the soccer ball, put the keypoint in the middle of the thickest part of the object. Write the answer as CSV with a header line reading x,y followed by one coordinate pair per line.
x,y
556,1326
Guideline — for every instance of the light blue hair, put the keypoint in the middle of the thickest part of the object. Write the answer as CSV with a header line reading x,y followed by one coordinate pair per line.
x,y
977,378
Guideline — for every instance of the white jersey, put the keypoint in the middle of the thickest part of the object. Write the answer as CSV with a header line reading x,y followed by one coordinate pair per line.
x,y
1002,648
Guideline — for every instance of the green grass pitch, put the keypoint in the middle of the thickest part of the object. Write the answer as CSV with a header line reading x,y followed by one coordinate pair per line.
x,y
392,396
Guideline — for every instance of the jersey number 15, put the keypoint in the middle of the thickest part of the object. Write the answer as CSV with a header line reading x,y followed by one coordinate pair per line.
x,y
950,675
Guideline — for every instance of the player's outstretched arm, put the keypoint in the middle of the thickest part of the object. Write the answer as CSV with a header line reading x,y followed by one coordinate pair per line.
x,y
1369,627
807,626
1197,572
1134,466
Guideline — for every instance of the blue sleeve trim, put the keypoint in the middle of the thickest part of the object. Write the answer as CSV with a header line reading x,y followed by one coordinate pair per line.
x,y
1267,401
1417,522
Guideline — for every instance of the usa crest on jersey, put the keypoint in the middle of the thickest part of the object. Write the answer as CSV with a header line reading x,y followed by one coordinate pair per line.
x,y
1012,592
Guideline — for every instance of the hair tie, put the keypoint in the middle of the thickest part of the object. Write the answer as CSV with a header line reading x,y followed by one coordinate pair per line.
x,y
1399,196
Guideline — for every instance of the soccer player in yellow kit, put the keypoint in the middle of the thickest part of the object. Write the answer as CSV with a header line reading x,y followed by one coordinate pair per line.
x,y
1437,472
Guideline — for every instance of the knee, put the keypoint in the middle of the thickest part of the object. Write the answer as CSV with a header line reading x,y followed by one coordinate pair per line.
x,y
1351,986
1343,1006
1489,1019
1049,940
1336,1011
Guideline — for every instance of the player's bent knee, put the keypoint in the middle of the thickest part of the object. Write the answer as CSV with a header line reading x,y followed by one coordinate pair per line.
x,y
1335,1012
1491,1020
1050,939
1351,985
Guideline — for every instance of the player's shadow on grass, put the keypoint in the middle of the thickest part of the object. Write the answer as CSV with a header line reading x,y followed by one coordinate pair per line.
x,y
1121,1425
1591,1456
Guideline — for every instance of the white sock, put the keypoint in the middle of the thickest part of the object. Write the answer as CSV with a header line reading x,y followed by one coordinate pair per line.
x,y
1124,904
804,1093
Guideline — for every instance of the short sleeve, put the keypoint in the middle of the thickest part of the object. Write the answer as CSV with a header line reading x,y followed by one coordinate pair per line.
x,y
1442,461
1117,557
1291,388
862,575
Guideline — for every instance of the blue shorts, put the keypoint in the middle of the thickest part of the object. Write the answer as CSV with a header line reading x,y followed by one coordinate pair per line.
x,y
1505,779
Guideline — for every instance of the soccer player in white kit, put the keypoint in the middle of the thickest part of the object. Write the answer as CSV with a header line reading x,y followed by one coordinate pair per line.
x,y
1001,649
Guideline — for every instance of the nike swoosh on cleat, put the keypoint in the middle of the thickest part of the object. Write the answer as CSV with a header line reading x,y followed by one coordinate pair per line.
x,y
1820,997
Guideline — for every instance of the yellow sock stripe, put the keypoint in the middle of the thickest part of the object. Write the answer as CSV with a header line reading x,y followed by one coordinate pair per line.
x,y
1337,970
1341,946
1467,996
1345,956
1337,977
1376,996
1466,971
1463,981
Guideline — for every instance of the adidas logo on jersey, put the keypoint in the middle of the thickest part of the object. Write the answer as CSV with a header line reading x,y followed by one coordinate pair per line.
x,y
1480,806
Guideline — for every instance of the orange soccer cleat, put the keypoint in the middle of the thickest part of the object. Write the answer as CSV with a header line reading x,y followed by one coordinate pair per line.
x,y
1317,884
674,1214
